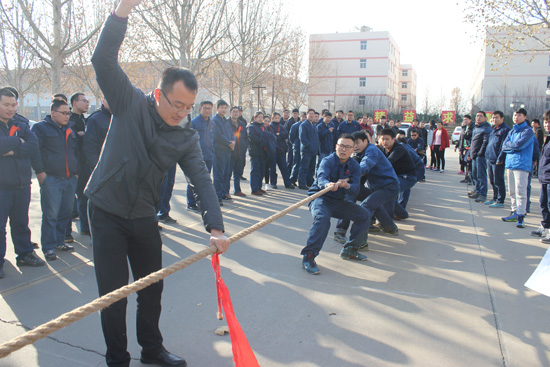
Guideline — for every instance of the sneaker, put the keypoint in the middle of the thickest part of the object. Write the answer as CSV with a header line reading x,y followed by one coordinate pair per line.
x,y
340,237
69,238
475,195
521,221
267,187
227,197
30,259
364,246
291,186
34,245
464,181
168,219
303,187
436,170
309,264
496,204
375,229
220,202
50,255
461,172
545,240
244,178
64,247
397,217
193,208
512,218
481,199
240,194
540,232
350,253
488,202
442,171
392,233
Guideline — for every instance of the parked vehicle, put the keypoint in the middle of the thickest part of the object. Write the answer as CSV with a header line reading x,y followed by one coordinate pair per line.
x,y
456,134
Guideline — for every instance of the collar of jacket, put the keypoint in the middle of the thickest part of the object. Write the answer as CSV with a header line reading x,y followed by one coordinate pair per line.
x,y
157,120
49,121
521,127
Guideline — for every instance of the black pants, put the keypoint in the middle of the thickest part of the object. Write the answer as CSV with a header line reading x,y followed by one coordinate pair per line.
x,y
440,157
118,241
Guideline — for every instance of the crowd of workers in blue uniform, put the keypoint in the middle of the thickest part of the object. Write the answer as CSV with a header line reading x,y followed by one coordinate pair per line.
x,y
507,158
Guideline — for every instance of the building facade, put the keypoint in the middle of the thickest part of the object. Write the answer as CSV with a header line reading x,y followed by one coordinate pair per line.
x,y
360,71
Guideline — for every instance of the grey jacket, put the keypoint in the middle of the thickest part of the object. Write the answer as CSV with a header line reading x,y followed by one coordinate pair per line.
x,y
140,147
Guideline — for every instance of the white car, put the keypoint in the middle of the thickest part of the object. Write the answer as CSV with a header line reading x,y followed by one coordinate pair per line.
x,y
405,126
456,134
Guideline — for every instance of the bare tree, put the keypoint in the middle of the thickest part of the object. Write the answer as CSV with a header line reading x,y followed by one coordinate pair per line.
x,y
186,33
511,26
52,24
457,102
254,36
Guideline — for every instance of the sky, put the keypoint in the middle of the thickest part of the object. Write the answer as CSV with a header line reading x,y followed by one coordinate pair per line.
x,y
431,35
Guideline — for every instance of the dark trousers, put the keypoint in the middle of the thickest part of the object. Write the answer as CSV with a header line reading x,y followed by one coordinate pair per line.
x,y
257,171
290,160
237,168
281,162
545,205
57,200
433,159
323,209
461,161
166,188
307,169
14,205
439,157
82,200
479,175
496,178
222,172
191,201
296,165
118,241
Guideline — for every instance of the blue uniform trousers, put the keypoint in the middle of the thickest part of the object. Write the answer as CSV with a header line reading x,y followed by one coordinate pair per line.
x,y
14,205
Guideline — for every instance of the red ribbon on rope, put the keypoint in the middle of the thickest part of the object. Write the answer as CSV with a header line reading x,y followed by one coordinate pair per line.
x,y
243,356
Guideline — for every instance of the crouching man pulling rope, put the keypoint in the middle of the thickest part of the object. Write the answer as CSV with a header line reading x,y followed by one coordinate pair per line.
x,y
144,140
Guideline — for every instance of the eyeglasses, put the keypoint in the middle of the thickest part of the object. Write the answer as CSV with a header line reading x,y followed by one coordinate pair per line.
x,y
63,113
83,100
176,110
345,147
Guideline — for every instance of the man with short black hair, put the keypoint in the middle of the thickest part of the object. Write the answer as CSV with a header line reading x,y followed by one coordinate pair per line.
x,y
344,175
17,146
495,161
480,139
288,125
238,155
148,134
349,126
59,152
224,144
276,127
326,132
309,148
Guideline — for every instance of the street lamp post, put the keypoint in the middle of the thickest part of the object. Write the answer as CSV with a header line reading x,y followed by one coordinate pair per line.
x,y
328,102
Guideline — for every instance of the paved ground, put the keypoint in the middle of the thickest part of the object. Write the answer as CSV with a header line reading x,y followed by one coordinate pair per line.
x,y
448,291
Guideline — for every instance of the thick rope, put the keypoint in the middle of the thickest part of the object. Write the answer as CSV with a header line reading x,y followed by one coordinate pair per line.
x,y
99,304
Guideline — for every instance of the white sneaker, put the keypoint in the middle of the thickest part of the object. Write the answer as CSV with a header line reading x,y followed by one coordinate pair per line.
x,y
267,187
540,232
442,171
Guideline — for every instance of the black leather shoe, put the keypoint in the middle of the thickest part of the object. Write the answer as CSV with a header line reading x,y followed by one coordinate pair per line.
x,y
164,359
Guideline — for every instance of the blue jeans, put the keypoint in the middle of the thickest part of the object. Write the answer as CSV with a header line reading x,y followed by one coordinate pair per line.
x,y
479,174
281,162
323,209
496,178
307,170
191,201
57,200
14,205
237,167
405,186
222,172
166,192
257,171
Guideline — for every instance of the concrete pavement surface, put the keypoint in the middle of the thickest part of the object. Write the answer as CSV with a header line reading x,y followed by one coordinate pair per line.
x,y
447,291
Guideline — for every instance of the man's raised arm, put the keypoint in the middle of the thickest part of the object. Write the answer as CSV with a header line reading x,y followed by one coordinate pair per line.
x,y
113,82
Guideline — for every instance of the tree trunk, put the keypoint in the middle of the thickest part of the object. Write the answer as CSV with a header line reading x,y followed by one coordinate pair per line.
x,y
56,52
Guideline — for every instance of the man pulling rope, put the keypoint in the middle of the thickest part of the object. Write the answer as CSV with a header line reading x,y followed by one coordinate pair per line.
x,y
146,137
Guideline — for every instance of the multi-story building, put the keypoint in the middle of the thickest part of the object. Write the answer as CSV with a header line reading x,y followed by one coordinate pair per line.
x,y
507,82
359,71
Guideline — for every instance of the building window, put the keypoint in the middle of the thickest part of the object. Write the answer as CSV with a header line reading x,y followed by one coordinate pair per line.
x,y
404,85
404,97
362,100
363,63
548,83
362,82
405,73
363,45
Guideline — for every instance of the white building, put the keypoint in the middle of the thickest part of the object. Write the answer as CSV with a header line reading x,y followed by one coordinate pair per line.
x,y
507,83
359,71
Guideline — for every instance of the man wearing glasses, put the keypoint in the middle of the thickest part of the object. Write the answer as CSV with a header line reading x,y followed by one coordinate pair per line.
x,y
147,135
59,152
344,174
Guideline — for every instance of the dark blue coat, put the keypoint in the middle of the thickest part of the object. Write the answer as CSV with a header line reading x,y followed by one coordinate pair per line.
x,y
494,145
480,139
96,130
309,139
282,135
269,141
348,127
15,170
256,147
223,136
326,137
294,135
241,139
289,123
544,162
418,162
58,148
206,136
378,170
332,170
417,144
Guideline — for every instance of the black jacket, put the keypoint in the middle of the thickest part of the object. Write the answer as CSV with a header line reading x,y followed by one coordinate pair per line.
x,y
96,131
401,161
58,149
16,169
140,147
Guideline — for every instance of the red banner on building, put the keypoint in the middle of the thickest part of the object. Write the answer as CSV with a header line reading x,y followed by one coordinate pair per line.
x,y
379,113
409,115
448,117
